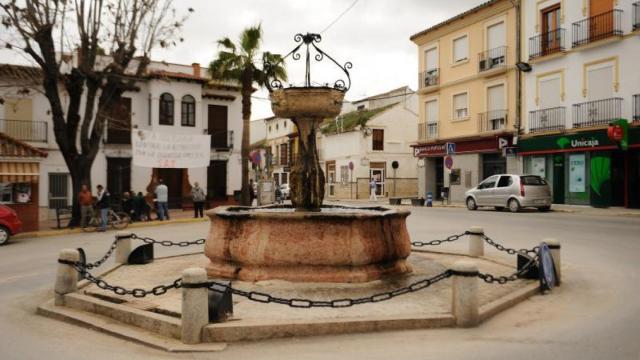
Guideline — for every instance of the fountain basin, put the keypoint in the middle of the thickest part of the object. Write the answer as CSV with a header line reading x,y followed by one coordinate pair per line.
x,y
337,244
307,102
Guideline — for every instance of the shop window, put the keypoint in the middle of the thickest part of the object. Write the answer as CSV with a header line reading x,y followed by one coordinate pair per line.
x,y
378,140
166,109
15,193
454,177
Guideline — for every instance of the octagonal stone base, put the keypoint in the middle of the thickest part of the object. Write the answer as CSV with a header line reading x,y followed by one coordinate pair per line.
x,y
338,244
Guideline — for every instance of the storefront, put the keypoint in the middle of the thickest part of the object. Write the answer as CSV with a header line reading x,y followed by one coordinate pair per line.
x,y
460,164
586,168
19,175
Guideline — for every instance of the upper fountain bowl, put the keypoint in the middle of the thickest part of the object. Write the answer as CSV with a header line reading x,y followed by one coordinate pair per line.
x,y
307,102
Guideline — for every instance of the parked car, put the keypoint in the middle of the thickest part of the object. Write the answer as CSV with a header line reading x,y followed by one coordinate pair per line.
x,y
286,191
512,191
10,224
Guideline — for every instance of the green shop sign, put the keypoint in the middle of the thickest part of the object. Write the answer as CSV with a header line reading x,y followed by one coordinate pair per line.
x,y
584,140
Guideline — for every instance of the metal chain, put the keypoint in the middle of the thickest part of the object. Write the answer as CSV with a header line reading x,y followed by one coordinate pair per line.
x,y
336,303
149,240
104,258
490,279
451,238
510,251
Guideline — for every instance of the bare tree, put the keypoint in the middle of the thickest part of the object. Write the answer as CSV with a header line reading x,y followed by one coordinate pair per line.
x,y
113,40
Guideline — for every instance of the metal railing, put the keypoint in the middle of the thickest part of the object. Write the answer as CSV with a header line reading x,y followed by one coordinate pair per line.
x,y
636,15
547,119
636,108
427,131
221,139
546,43
492,120
492,58
429,78
25,130
597,27
595,113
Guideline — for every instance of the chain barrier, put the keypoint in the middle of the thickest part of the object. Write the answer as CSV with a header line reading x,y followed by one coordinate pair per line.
x,y
510,251
104,258
490,279
451,238
149,240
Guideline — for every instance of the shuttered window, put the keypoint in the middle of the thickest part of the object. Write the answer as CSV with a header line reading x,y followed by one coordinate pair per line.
x,y
549,89
495,36
495,95
460,49
378,139
431,59
600,82
460,107
432,111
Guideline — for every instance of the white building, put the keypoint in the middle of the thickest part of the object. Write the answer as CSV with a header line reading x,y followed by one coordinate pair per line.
x,y
280,145
584,57
171,98
365,142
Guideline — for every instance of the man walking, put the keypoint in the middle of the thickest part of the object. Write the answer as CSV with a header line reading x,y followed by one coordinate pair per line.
x,y
85,200
373,187
198,196
162,200
103,201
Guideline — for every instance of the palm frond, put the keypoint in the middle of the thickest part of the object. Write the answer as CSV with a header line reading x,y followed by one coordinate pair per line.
x,y
250,39
227,44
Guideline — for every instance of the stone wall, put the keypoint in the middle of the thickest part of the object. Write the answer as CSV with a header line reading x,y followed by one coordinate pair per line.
x,y
359,189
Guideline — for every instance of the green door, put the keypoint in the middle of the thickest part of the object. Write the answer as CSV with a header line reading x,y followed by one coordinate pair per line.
x,y
558,179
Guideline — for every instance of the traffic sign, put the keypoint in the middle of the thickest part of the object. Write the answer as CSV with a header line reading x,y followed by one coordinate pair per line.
x,y
350,165
448,162
451,148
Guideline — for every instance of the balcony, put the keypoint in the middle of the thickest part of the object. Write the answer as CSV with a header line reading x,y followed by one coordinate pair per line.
x,y
636,16
493,120
429,78
551,119
492,59
222,140
636,108
597,27
427,131
597,113
25,130
546,43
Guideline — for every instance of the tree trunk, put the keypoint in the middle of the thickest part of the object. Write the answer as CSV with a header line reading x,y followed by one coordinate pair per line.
x,y
247,81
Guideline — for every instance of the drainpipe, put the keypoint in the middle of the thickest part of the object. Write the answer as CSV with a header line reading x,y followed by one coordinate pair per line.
x,y
516,4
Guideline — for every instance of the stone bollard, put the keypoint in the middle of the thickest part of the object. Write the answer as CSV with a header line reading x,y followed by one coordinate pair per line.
x,y
476,242
554,249
195,305
123,247
465,301
67,275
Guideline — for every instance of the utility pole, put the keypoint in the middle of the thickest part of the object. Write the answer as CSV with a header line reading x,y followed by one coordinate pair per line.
x,y
516,4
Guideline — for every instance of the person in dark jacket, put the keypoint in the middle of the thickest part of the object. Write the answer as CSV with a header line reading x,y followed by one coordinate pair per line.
x,y
102,203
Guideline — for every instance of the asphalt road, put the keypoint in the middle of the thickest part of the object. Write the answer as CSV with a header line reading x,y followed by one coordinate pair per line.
x,y
594,315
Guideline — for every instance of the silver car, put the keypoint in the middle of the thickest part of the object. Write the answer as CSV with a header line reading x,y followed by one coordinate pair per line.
x,y
512,191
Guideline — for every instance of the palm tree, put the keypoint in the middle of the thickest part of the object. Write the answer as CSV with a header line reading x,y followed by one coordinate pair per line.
x,y
240,64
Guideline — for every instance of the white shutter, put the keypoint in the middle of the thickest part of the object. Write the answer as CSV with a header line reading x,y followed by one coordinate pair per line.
x,y
432,111
496,36
431,59
549,90
600,83
495,95
460,48
460,106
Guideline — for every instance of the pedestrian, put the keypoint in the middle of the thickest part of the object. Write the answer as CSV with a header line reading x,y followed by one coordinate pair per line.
x,y
162,200
85,199
373,186
252,192
127,203
198,196
278,195
102,203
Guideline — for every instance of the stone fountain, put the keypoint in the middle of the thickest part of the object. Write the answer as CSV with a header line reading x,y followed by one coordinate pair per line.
x,y
308,241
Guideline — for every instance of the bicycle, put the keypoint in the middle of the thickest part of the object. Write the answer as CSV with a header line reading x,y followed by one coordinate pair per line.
x,y
118,220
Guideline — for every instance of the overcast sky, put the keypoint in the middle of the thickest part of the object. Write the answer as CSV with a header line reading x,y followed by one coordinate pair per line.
x,y
373,35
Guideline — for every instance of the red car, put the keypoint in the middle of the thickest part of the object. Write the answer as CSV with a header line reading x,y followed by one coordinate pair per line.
x,y
9,224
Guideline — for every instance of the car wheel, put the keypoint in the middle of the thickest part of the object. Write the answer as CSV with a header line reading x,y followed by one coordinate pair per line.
x,y
544,208
514,205
499,208
471,204
4,235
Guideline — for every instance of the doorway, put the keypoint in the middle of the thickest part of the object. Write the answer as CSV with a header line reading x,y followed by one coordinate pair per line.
x,y
618,164
173,178
377,172
217,125
119,179
493,164
558,179
217,180
601,19
439,177
331,177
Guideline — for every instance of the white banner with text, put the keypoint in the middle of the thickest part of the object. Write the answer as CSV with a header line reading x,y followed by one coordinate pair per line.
x,y
165,150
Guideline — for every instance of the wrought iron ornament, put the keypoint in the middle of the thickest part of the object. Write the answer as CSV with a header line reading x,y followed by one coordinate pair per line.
x,y
309,40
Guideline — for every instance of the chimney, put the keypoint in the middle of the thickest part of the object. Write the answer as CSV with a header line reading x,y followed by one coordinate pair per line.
x,y
196,69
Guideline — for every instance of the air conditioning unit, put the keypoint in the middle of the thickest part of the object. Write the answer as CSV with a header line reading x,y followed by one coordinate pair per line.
x,y
483,64
497,124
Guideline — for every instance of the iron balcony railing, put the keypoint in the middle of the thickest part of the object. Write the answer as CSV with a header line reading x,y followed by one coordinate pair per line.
x,y
596,113
427,131
492,59
636,15
429,78
597,27
25,130
636,108
547,119
492,120
221,139
546,43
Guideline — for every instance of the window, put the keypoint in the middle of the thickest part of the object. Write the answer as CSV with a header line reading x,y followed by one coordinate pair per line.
x,y
551,39
344,174
276,126
495,36
284,154
550,92
600,79
460,106
119,122
188,111
431,111
532,180
269,128
460,49
378,139
166,109
454,177
58,190
360,107
431,59
505,181
489,183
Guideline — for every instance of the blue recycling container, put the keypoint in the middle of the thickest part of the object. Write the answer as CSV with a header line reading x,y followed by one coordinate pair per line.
x,y
429,199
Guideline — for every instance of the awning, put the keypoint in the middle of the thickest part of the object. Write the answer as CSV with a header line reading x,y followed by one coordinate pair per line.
x,y
18,172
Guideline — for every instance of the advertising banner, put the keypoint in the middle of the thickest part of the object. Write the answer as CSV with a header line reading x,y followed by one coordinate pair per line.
x,y
165,150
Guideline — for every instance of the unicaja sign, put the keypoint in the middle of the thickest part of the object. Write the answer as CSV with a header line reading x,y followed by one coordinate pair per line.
x,y
584,143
